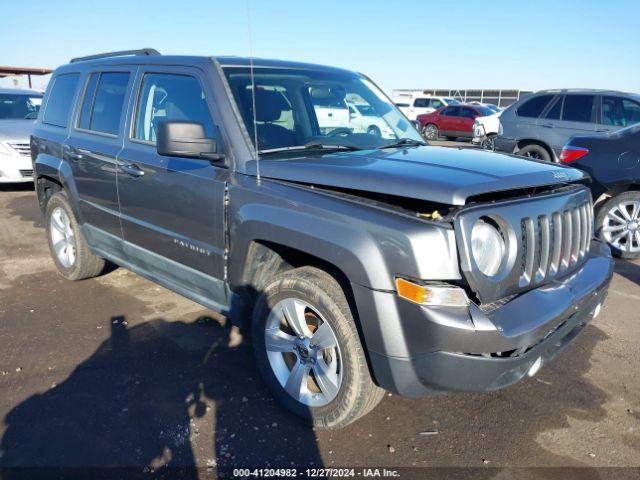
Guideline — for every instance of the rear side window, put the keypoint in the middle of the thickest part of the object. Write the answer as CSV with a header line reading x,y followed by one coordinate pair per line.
x,y
533,107
170,97
60,100
103,101
578,108
421,103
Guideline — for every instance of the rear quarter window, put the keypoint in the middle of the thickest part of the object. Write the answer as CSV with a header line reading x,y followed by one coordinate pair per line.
x,y
60,100
533,107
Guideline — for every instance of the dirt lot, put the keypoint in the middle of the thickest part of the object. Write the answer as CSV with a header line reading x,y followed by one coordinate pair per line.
x,y
116,371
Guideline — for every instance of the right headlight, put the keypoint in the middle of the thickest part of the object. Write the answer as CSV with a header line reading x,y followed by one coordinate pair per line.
x,y
488,247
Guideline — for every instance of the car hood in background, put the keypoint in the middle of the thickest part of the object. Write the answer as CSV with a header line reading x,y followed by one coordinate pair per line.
x,y
437,174
16,130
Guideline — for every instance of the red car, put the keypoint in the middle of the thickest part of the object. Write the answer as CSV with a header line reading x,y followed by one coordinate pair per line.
x,y
452,121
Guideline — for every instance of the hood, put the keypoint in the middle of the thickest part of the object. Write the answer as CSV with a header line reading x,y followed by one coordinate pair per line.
x,y
436,174
16,130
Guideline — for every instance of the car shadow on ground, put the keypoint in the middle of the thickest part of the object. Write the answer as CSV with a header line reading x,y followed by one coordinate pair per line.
x,y
142,401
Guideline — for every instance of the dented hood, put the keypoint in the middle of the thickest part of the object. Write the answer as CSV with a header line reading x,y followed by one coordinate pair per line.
x,y
436,174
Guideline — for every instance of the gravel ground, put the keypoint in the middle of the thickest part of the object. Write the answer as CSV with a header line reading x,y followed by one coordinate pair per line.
x,y
116,371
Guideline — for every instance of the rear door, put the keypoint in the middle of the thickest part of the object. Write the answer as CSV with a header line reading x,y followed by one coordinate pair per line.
x,y
173,208
578,117
94,143
465,123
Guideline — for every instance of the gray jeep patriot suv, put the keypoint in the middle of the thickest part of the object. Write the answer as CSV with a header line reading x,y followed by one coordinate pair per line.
x,y
361,263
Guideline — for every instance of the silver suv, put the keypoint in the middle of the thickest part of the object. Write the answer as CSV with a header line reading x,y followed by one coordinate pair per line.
x,y
539,125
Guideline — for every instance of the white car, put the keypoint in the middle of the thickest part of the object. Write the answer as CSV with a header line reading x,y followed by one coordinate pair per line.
x,y
418,105
485,130
363,119
18,113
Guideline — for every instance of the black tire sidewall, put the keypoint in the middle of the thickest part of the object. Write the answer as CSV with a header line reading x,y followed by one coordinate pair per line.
x,y
373,130
537,148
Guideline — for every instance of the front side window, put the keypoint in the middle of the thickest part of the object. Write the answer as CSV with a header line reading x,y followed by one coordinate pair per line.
x,y
620,112
61,99
435,103
19,106
578,108
103,102
533,107
166,97
296,108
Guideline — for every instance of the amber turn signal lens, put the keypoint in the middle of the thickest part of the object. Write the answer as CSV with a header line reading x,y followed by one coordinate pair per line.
x,y
410,291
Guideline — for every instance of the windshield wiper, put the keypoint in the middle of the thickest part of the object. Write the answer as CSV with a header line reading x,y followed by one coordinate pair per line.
x,y
310,146
402,143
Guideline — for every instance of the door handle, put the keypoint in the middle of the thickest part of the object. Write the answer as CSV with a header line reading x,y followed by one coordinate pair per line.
x,y
603,130
548,125
74,156
131,169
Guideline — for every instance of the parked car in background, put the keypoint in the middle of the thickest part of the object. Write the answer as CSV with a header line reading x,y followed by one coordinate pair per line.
x,y
485,130
541,124
451,122
491,106
364,119
425,104
18,113
613,162
360,264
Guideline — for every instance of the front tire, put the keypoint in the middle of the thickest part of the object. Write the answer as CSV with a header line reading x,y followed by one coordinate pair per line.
x,y
308,351
68,247
618,224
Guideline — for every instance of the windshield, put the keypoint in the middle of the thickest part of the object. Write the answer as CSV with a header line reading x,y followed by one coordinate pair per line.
x,y
295,108
15,106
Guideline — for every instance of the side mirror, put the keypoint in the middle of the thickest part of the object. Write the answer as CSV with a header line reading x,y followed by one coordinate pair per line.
x,y
185,139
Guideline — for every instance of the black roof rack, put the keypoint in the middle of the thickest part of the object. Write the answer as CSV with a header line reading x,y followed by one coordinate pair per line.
x,y
122,53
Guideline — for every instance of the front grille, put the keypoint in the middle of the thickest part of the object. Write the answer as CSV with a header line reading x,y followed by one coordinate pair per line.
x,y
554,242
22,148
546,237
26,173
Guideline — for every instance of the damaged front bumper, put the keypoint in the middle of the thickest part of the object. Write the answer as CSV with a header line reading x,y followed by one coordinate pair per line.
x,y
416,350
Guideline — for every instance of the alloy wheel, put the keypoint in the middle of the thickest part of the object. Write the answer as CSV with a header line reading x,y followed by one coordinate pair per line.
x,y
62,237
303,352
621,226
430,132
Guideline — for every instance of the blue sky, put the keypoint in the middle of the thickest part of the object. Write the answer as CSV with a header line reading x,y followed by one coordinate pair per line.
x,y
400,44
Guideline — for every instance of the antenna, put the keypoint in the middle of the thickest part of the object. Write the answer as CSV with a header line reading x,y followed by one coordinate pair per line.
x,y
253,93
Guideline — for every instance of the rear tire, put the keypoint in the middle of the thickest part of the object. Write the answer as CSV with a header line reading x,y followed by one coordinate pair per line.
x,y
69,249
618,224
534,152
335,388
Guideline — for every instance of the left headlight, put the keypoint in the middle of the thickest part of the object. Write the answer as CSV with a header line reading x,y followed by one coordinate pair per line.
x,y
487,247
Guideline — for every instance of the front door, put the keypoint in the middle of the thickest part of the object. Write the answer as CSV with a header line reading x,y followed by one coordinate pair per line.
x,y
173,208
